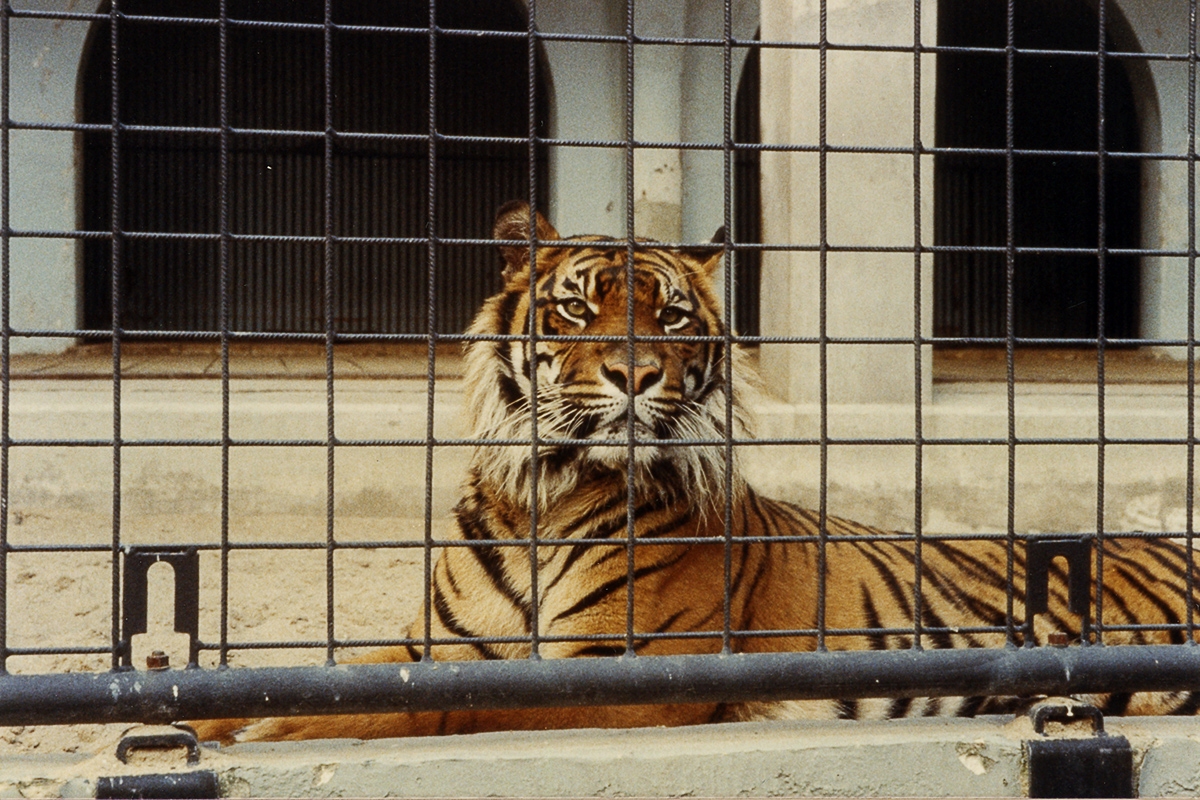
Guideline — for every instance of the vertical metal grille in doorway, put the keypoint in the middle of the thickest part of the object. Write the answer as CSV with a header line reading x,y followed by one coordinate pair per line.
x,y
170,162
1056,177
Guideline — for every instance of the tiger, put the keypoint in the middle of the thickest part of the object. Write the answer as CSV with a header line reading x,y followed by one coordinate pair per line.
x,y
550,359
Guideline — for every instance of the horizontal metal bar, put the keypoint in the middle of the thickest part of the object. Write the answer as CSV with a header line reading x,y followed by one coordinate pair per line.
x,y
749,44
446,443
711,635
750,147
447,338
401,544
169,695
614,144
754,247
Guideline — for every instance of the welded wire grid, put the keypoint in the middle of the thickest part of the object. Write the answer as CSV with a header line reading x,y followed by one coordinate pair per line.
x,y
434,142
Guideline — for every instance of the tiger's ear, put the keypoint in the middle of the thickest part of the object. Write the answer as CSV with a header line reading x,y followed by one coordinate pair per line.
x,y
512,224
708,256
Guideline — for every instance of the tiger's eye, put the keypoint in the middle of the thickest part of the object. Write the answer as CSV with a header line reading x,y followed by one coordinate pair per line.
x,y
574,308
670,316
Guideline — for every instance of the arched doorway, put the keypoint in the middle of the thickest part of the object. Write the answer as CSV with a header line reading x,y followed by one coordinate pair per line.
x,y
1056,197
169,177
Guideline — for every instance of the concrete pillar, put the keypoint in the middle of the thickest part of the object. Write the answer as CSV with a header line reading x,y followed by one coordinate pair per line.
x,y
678,97
587,184
1161,98
44,63
871,199
681,97
704,115
657,117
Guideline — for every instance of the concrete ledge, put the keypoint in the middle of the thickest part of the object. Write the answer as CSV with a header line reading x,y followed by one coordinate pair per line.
x,y
247,359
964,486
914,758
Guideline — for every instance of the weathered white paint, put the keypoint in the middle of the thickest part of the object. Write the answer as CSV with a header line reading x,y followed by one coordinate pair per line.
x,y
964,488
869,201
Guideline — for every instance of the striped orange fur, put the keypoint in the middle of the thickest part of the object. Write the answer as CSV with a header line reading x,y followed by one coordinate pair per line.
x,y
581,491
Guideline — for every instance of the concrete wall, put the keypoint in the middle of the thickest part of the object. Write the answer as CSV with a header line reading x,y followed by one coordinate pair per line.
x,y
964,487
911,758
869,198
680,95
1161,91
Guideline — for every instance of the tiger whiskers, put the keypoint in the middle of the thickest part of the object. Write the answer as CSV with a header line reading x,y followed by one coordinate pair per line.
x,y
556,415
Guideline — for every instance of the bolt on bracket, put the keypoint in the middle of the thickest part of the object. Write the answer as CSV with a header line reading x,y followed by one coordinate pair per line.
x,y
185,561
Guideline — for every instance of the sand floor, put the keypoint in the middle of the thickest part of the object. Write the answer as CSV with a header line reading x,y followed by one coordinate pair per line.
x,y
64,599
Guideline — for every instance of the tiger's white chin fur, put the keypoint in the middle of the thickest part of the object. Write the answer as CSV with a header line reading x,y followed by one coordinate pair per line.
x,y
694,474
704,474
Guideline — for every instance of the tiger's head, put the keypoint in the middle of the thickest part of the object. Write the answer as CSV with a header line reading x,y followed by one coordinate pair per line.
x,y
598,358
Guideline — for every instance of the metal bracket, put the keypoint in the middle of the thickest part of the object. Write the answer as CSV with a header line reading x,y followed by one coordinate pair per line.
x,y
185,561
1097,766
180,736
1039,554
189,784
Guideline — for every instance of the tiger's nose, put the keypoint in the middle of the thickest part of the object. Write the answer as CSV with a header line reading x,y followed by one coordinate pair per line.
x,y
644,375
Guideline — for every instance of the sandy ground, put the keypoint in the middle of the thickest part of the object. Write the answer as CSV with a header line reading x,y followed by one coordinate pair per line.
x,y
64,599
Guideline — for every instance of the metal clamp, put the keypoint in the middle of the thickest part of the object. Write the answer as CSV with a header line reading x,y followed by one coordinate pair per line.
x,y
181,784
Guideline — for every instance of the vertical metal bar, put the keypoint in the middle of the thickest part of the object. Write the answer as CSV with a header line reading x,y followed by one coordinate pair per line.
x,y
1190,500
531,132
630,254
918,419
730,278
330,336
1101,333
431,324
535,437
1010,325
5,330
823,328
224,277
115,200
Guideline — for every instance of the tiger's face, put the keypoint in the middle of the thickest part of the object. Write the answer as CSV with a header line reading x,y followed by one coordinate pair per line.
x,y
612,384
598,351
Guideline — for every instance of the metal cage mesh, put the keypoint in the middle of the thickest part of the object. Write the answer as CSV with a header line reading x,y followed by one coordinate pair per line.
x,y
367,236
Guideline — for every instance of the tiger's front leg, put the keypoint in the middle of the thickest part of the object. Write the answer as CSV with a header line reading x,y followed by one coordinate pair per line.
x,y
435,723
445,624
459,611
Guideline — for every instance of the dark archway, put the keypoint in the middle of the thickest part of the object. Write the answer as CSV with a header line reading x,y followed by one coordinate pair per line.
x,y
1056,197
747,208
169,178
